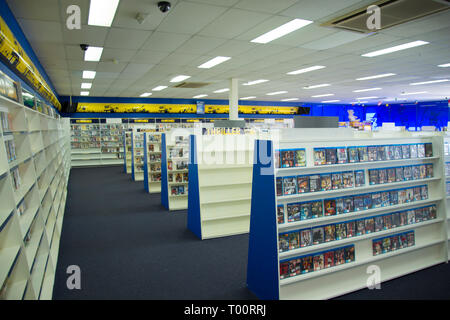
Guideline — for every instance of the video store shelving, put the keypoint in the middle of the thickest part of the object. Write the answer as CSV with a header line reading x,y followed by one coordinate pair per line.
x,y
296,233
152,162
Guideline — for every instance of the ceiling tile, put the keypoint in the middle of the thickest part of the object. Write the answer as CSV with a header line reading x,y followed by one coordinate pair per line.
x,y
199,45
163,41
269,6
121,39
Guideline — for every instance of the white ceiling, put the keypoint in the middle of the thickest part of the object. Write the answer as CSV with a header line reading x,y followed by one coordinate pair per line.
x,y
194,31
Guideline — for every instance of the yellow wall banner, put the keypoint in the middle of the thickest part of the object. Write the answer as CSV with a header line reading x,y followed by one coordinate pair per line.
x,y
15,57
95,107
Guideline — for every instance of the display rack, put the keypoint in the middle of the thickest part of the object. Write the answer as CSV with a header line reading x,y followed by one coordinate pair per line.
x,y
220,185
137,155
174,164
127,151
294,236
96,142
33,190
447,179
152,162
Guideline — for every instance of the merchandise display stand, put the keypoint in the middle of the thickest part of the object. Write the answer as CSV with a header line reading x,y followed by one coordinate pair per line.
x,y
220,185
34,170
127,151
152,162
137,155
447,180
317,231
174,169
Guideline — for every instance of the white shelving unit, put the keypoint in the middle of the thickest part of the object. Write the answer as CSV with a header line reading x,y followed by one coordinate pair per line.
x,y
446,153
127,151
137,155
291,234
220,185
32,210
152,162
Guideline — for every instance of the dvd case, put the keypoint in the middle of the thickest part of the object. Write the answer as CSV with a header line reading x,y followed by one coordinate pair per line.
x,y
328,259
319,157
377,247
330,232
279,183
369,225
293,212
325,182
382,176
351,228
373,176
358,202
407,173
372,152
349,253
303,184
318,261
314,183
378,223
318,235
341,155
348,204
300,158
305,238
280,214
331,155
283,240
330,207
360,178
398,152
289,185
391,178
284,270
428,150
363,154
429,170
336,180
348,179
399,175
287,158
340,205
360,227
339,256
305,211
316,209
413,150
421,150
381,153
353,155
341,231
294,240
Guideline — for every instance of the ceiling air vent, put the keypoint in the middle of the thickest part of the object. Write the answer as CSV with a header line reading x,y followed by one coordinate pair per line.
x,y
392,13
191,85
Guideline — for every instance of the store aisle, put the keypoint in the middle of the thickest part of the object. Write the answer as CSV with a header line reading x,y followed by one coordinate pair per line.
x,y
129,247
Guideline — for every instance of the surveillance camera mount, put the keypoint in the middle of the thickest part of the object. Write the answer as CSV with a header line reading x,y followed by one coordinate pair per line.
x,y
84,46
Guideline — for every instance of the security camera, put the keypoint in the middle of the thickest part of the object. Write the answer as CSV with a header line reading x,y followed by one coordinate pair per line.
x,y
84,47
164,6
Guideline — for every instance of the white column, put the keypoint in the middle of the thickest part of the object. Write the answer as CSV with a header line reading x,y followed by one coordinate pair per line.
x,y
233,98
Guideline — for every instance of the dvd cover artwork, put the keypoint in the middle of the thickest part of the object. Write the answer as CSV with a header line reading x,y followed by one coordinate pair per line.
x,y
398,152
421,150
428,150
277,159
328,259
319,157
395,219
347,179
395,245
424,192
379,225
373,176
289,185
284,270
351,228
295,267
368,201
399,175
372,153
403,241
410,238
417,194
413,150
330,207
353,154
377,247
429,170
381,153
363,154
331,155
307,264
385,201
305,211
340,206
314,183
376,200
401,196
287,158
411,216
300,158
386,245
325,182
349,253
316,209
348,204
339,256
318,235
416,172
318,262
406,151
419,215
341,231
433,212
293,212
387,221
423,171
391,152
407,173
279,187
409,195
294,240
283,240
330,233
358,202
341,155
391,175
403,218
303,184
305,238
280,214
360,227
369,225
336,180
382,176
359,178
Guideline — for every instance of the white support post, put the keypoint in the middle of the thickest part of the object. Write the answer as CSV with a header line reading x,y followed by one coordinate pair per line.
x,y
233,99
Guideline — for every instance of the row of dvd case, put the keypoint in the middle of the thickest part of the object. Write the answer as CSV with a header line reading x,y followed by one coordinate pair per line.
x,y
393,243
315,262
403,173
291,185
353,203
339,155
290,158
314,236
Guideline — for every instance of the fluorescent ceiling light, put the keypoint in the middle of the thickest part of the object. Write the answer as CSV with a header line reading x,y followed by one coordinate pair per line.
x,y
200,96
377,76
329,101
445,65
412,93
179,78
317,86
93,54
323,95
396,48
146,94
275,93
366,98
364,90
282,30
84,93
250,83
290,99
222,90
429,82
101,12
247,98
159,88
86,85
306,70
214,62
89,74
